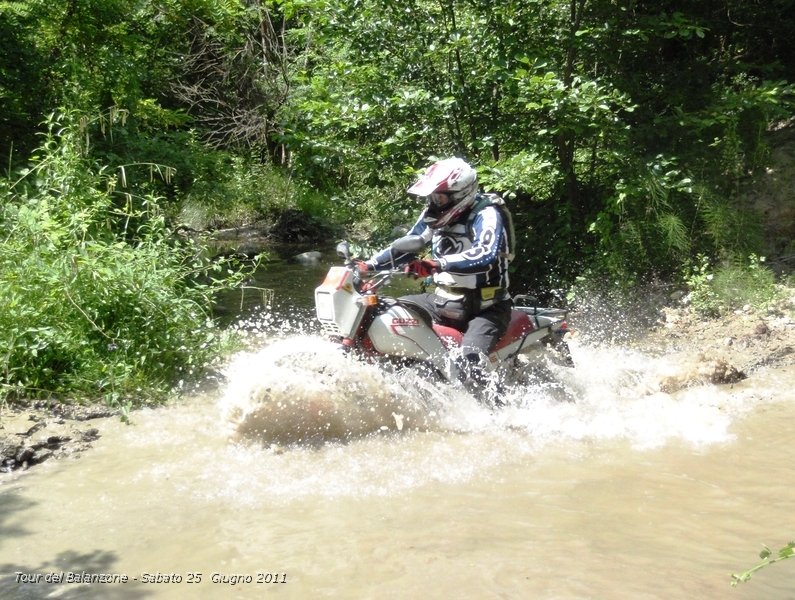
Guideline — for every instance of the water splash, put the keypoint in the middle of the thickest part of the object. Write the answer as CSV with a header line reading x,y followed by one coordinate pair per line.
x,y
620,393
301,419
302,389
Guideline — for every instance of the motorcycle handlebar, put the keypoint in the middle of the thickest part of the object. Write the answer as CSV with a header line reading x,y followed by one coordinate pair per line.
x,y
374,280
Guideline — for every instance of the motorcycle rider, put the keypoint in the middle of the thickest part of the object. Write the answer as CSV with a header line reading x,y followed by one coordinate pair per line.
x,y
469,241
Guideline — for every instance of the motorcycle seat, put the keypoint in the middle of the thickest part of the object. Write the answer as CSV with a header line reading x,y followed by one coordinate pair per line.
x,y
421,311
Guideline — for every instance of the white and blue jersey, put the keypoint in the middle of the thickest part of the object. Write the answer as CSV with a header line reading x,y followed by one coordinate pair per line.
x,y
472,253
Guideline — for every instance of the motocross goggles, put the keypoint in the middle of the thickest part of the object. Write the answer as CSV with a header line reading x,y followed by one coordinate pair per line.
x,y
440,199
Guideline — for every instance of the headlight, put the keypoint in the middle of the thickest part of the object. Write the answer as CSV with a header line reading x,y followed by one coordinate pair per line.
x,y
324,306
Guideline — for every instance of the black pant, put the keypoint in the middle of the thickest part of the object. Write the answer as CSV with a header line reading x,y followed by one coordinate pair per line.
x,y
482,329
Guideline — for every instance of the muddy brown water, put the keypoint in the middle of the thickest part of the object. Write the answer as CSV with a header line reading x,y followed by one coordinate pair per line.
x,y
310,476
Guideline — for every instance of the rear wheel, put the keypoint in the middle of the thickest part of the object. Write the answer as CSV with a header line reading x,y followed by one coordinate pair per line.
x,y
559,351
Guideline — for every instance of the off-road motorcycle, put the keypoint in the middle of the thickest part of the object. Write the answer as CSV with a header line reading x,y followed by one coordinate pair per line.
x,y
354,314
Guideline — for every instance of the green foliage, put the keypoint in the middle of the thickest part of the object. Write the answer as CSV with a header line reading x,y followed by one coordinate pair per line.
x,y
623,133
643,226
574,105
524,173
380,96
768,558
628,123
230,191
99,297
83,54
730,286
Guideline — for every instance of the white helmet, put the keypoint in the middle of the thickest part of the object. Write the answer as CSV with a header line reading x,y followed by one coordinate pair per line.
x,y
450,186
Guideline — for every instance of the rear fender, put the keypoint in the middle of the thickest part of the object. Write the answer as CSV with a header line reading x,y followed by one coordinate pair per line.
x,y
528,328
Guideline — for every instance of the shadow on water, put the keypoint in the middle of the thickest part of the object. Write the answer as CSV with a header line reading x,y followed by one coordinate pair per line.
x,y
27,581
13,575
11,503
52,578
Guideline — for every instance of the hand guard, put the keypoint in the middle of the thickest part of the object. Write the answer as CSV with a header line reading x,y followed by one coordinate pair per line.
x,y
421,268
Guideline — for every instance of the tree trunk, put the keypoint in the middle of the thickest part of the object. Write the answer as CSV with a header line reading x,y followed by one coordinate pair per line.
x,y
566,142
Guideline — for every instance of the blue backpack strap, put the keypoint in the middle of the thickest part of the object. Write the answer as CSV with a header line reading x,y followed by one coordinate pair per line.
x,y
485,200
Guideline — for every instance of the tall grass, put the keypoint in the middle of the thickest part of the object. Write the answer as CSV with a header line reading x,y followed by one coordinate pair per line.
x,y
717,290
234,191
99,298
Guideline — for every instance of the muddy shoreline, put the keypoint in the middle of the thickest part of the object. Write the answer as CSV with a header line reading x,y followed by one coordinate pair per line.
x,y
31,435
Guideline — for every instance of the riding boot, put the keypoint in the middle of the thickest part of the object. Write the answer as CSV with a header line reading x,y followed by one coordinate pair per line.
x,y
477,382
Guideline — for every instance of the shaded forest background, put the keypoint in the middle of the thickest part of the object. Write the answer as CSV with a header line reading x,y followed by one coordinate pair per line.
x,y
625,135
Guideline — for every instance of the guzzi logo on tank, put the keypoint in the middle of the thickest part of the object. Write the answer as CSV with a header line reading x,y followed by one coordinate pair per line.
x,y
407,321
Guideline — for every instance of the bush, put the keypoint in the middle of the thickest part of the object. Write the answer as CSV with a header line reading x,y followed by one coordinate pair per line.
x,y
235,191
730,286
99,297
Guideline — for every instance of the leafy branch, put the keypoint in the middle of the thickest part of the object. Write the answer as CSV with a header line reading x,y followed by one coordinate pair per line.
x,y
768,558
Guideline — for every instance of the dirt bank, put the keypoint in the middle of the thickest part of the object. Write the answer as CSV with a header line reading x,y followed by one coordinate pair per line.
x,y
31,435
727,349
